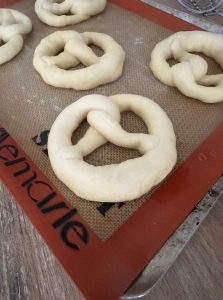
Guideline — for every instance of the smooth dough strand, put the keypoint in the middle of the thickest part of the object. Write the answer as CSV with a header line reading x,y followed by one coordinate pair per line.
x,y
116,182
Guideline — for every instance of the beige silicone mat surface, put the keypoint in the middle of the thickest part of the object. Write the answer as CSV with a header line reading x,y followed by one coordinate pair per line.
x,y
28,106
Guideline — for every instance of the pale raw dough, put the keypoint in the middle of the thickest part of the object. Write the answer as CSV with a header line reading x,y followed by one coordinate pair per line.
x,y
13,25
55,69
61,13
116,182
190,74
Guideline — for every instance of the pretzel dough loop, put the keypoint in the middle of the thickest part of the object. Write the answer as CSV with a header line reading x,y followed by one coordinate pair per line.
x,y
190,74
116,182
56,13
13,25
55,69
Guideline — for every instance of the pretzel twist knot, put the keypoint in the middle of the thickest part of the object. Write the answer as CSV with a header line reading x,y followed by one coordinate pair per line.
x,y
116,182
56,69
13,25
62,13
190,74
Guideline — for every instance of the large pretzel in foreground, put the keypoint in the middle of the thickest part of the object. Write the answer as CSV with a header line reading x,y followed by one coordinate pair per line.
x,y
55,69
13,25
116,182
190,74
67,12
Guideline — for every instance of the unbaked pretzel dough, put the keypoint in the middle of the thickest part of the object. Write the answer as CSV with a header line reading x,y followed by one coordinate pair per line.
x,y
61,13
55,69
190,74
13,25
116,182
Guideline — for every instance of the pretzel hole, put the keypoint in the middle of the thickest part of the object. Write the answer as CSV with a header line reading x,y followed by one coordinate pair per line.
x,y
132,123
98,51
171,61
110,153
213,67
2,42
60,51
67,14
79,132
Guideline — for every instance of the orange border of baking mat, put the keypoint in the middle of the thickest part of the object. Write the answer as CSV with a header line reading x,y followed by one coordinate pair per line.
x,y
104,270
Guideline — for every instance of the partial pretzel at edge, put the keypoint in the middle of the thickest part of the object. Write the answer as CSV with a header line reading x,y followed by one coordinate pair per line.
x,y
190,74
13,26
68,12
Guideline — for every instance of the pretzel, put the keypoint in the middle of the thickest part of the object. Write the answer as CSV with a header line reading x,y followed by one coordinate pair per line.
x,y
190,74
13,25
54,69
67,12
116,182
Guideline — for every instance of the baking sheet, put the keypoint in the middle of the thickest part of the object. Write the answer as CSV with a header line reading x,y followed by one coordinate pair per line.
x,y
27,116
30,101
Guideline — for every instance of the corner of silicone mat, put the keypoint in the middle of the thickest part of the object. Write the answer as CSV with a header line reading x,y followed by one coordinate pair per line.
x,y
155,15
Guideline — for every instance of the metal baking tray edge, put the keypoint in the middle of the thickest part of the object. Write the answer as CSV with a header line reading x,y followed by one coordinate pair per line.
x,y
163,260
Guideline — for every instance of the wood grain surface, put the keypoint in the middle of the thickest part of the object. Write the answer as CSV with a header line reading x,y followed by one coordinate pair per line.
x,y
30,271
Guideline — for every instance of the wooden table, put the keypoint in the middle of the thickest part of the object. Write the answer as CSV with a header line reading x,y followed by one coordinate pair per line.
x,y
30,271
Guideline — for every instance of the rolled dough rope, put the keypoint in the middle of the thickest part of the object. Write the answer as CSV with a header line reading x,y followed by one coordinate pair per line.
x,y
62,13
190,74
13,25
54,69
116,182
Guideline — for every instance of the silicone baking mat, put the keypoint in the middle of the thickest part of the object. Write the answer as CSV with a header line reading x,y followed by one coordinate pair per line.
x,y
92,240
